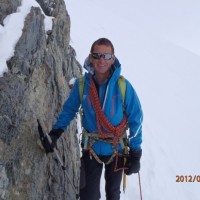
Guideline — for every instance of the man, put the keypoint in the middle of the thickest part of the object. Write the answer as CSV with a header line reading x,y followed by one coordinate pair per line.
x,y
105,118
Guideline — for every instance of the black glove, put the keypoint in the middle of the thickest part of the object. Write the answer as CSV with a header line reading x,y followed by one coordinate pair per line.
x,y
133,162
54,135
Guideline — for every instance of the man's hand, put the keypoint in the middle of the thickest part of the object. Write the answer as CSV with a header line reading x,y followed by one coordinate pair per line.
x,y
54,135
133,162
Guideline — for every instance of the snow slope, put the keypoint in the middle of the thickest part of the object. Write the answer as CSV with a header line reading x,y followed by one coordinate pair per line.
x,y
158,45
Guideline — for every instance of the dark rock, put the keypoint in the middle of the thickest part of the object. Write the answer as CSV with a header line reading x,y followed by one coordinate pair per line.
x,y
35,88
8,7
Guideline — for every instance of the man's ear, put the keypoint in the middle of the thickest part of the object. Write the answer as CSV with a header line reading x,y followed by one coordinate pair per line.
x,y
90,57
113,59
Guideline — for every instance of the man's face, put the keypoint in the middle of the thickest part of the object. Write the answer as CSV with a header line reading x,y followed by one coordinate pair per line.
x,y
102,64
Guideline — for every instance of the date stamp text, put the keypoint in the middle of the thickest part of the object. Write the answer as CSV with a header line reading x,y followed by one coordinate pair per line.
x,y
188,178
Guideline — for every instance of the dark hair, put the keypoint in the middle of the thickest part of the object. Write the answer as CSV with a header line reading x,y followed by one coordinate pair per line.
x,y
103,41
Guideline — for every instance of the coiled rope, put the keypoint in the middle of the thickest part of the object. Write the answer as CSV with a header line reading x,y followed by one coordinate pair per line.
x,y
102,121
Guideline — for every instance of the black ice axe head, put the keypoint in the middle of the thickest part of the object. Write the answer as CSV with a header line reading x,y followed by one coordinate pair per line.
x,y
44,135
41,132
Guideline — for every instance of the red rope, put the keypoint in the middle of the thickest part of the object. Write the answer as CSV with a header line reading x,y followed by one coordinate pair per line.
x,y
140,185
116,169
102,121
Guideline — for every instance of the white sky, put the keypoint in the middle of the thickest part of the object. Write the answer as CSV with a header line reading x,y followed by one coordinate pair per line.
x,y
158,45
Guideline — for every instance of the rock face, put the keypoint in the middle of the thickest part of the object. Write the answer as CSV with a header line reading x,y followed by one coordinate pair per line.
x,y
7,7
35,87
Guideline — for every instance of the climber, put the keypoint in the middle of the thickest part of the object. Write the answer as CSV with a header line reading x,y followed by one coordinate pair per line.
x,y
109,107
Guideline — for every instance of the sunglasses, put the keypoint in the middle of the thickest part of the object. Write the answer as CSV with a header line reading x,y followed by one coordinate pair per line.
x,y
105,56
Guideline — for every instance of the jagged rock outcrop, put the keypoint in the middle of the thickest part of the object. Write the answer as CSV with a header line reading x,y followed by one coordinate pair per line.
x,y
34,88
7,7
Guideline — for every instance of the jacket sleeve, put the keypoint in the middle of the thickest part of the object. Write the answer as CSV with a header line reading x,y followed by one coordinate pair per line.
x,y
135,117
70,108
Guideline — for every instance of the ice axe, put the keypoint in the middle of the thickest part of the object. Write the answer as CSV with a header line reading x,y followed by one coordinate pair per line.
x,y
44,135
124,175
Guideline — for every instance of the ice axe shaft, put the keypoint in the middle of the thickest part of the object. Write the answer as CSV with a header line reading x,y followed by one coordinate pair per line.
x,y
56,152
124,178
124,175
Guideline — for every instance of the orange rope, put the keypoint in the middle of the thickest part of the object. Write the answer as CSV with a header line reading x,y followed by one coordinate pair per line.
x,y
102,121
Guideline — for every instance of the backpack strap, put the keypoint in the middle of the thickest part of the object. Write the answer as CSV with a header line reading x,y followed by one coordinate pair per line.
x,y
122,87
81,86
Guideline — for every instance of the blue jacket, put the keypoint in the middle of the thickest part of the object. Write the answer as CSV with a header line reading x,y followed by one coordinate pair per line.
x,y
111,100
